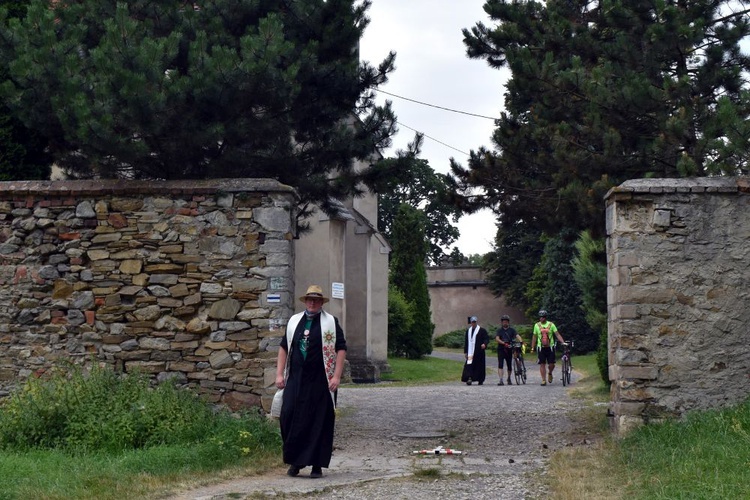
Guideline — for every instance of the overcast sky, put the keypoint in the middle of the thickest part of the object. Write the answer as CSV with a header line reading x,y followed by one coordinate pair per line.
x,y
432,67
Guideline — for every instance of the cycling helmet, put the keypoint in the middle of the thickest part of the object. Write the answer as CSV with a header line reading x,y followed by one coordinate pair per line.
x,y
542,313
504,317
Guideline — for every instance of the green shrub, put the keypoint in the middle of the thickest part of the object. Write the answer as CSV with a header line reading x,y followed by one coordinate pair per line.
x,y
105,411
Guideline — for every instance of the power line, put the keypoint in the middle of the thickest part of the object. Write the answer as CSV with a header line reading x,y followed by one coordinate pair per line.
x,y
432,138
435,106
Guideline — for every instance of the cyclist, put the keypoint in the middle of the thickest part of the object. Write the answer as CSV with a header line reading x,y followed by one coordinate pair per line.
x,y
504,336
543,340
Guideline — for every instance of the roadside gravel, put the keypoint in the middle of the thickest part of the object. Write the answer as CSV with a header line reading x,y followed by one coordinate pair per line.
x,y
505,435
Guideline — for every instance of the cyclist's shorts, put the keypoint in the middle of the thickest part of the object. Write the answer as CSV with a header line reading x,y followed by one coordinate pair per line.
x,y
546,356
504,354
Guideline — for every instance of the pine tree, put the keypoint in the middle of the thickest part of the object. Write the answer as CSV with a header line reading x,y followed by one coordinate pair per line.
x,y
176,90
605,91
408,275
22,151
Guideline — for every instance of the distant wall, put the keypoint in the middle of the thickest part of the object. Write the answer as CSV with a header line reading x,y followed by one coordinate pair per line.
x,y
190,280
678,254
457,292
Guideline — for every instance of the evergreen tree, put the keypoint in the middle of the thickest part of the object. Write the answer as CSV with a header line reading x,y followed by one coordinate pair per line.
x,y
176,90
408,275
605,91
22,151
590,272
554,288
509,267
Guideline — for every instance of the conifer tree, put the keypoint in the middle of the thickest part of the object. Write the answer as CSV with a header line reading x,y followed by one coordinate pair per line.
x,y
408,275
605,91
171,89
22,151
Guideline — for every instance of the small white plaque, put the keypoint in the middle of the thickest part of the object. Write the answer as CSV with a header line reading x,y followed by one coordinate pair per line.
x,y
337,290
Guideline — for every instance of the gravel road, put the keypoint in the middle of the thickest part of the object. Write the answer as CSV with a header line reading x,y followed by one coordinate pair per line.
x,y
505,435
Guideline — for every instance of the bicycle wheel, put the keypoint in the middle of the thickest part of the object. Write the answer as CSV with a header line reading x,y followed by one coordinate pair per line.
x,y
564,371
523,370
568,371
517,370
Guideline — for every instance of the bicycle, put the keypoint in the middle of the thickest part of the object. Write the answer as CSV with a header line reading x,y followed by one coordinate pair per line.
x,y
519,367
567,366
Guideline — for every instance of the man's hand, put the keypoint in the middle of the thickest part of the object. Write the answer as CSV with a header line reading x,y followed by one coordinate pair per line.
x,y
483,346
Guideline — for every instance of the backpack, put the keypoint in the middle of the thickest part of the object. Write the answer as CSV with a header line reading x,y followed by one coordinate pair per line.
x,y
544,332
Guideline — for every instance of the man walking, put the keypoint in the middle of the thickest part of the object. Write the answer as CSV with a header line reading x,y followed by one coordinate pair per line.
x,y
505,336
475,342
543,339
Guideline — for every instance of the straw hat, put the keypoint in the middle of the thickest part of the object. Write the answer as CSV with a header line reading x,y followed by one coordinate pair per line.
x,y
314,292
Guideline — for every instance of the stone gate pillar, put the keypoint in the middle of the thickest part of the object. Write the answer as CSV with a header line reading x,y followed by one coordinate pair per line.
x,y
678,276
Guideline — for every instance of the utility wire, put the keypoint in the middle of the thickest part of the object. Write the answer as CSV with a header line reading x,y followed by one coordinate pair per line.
x,y
435,106
431,138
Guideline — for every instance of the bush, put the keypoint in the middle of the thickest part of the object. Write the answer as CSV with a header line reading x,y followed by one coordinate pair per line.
x,y
105,411
455,339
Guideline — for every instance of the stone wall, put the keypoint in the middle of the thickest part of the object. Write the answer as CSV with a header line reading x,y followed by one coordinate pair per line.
x,y
679,297
190,280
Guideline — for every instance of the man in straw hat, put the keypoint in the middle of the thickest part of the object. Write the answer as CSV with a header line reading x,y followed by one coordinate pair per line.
x,y
309,367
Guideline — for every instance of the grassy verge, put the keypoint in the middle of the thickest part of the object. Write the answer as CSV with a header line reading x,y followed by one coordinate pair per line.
x,y
706,456
100,435
54,474
427,370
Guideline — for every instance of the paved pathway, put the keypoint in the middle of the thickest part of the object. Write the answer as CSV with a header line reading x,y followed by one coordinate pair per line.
x,y
505,434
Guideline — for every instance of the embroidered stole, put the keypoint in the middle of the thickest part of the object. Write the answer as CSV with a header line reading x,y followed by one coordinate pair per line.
x,y
328,337
472,340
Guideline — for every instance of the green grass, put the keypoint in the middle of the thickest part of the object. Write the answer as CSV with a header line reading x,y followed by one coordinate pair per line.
x,y
705,456
427,370
100,435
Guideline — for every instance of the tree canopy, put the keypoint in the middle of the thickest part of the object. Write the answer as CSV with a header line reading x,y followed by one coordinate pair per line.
x,y
171,89
604,91
22,151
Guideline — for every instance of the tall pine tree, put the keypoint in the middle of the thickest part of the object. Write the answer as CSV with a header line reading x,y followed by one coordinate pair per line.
x,y
605,91
174,89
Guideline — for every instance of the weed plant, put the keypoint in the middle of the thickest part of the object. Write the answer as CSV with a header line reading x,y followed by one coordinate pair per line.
x,y
101,435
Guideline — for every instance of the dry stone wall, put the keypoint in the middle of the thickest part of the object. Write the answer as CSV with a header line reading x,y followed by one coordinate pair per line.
x,y
679,297
190,280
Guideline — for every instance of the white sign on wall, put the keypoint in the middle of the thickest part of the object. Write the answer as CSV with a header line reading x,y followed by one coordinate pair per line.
x,y
337,290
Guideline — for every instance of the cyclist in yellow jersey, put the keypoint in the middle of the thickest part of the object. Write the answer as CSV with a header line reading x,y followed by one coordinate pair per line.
x,y
543,340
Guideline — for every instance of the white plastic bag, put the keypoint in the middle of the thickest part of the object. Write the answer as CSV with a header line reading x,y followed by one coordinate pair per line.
x,y
278,400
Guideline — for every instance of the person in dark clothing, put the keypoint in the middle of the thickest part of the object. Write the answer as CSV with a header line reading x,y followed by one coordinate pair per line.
x,y
505,336
308,368
475,342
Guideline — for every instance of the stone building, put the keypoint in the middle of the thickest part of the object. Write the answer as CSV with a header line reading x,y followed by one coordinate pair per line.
x,y
458,292
348,257
678,262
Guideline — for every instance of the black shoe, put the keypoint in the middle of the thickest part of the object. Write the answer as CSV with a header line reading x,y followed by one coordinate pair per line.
x,y
509,382
316,472
480,383
500,383
293,471
468,383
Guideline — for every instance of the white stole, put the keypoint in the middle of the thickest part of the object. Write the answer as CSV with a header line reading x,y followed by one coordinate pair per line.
x,y
328,338
472,341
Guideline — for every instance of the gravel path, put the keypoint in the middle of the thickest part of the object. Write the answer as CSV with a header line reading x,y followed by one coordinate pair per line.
x,y
505,434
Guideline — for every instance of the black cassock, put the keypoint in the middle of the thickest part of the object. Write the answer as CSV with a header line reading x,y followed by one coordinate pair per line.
x,y
477,370
307,415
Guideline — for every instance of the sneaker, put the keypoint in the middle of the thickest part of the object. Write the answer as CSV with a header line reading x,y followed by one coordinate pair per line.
x,y
468,383
544,382
316,472
500,383
549,377
509,382
293,471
